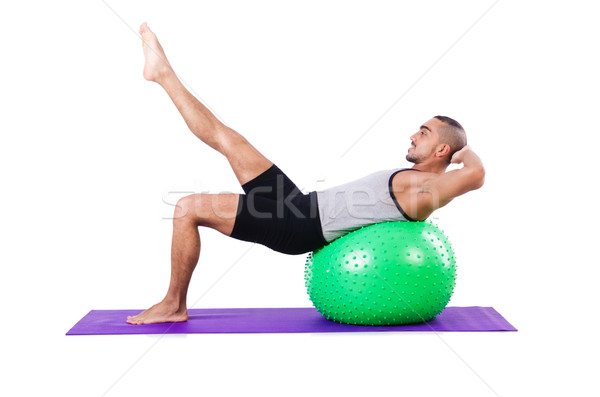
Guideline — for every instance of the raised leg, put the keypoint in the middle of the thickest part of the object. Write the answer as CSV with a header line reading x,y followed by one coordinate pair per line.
x,y
245,160
216,211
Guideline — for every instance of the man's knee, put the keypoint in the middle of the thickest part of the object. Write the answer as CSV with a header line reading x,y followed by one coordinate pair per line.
x,y
228,139
186,208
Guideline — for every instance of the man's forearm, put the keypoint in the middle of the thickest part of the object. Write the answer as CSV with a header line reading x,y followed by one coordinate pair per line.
x,y
472,171
471,160
474,166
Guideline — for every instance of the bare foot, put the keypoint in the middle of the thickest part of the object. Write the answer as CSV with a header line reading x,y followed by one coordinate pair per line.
x,y
160,313
157,66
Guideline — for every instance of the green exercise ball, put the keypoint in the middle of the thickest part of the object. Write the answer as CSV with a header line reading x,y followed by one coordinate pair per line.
x,y
384,274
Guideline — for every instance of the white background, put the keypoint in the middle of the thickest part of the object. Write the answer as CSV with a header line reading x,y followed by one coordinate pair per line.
x,y
92,157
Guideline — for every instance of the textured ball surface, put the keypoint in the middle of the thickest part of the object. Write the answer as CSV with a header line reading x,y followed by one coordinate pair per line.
x,y
383,274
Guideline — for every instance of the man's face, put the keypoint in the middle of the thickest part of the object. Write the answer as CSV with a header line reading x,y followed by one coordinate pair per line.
x,y
424,142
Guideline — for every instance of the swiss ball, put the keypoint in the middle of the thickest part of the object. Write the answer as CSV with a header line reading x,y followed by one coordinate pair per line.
x,y
388,273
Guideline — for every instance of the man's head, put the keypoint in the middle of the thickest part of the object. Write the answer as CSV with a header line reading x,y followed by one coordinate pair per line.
x,y
436,141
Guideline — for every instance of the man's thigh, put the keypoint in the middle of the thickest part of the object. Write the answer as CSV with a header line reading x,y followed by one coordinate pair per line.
x,y
217,211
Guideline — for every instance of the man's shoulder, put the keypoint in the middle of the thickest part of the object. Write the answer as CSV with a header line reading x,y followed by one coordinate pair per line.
x,y
406,187
410,177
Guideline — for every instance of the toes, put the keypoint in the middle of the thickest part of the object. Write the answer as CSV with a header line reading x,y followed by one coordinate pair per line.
x,y
134,319
145,30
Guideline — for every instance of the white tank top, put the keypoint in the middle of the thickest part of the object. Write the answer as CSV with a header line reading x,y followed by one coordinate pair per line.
x,y
359,203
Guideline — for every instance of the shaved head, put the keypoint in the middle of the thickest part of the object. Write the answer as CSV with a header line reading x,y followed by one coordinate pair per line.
x,y
452,134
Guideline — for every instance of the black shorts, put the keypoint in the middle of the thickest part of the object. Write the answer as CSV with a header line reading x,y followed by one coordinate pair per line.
x,y
276,214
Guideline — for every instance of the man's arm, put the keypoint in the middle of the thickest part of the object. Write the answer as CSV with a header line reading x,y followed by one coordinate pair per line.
x,y
440,190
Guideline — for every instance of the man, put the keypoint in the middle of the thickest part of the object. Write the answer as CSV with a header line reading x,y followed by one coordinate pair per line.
x,y
274,212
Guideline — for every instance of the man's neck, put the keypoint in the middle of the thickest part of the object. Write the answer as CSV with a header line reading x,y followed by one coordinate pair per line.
x,y
433,168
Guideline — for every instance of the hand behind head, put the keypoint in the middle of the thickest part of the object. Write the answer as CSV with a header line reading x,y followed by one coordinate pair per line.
x,y
458,157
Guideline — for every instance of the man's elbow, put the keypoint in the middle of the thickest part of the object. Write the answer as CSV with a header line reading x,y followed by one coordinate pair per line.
x,y
478,177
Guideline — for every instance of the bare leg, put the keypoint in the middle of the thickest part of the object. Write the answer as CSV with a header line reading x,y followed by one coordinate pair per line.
x,y
216,211
246,161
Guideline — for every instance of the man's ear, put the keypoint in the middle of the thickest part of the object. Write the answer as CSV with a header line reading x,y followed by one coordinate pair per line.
x,y
443,150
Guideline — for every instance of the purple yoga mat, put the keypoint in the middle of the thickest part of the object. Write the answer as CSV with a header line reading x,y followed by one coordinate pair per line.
x,y
281,320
